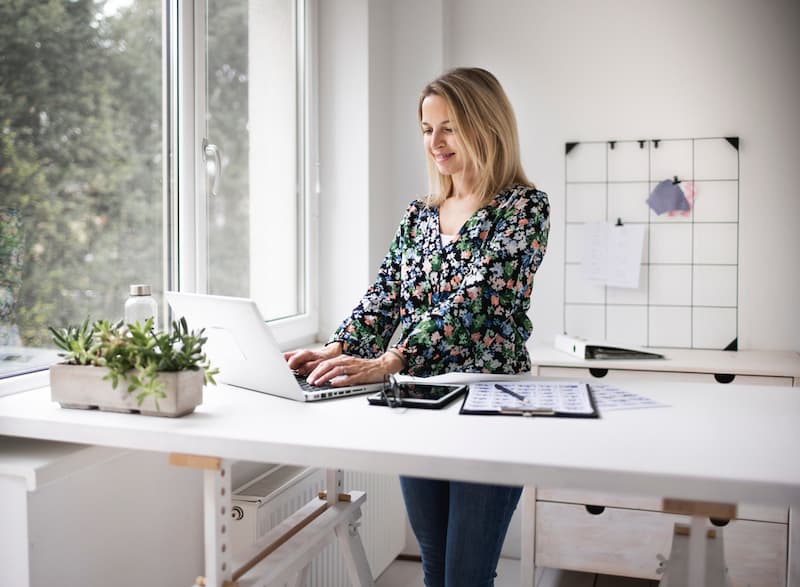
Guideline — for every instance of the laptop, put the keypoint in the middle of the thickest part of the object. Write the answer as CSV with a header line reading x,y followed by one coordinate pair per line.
x,y
241,345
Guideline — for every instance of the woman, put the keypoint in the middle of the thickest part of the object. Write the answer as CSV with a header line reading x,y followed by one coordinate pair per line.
x,y
456,285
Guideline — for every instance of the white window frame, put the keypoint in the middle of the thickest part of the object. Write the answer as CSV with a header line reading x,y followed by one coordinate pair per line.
x,y
185,109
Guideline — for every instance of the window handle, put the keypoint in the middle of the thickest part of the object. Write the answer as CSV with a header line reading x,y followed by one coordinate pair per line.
x,y
213,161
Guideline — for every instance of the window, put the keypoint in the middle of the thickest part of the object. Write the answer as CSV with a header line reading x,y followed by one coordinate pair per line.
x,y
97,192
254,133
80,165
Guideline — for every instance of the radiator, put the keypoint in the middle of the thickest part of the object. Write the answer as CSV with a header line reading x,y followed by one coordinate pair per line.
x,y
262,501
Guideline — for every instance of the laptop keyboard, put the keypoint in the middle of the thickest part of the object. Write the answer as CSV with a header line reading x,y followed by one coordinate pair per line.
x,y
306,386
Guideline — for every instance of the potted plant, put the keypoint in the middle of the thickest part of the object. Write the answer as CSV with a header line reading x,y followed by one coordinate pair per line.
x,y
162,373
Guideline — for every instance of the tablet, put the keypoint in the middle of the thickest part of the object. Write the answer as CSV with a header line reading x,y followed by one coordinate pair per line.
x,y
420,395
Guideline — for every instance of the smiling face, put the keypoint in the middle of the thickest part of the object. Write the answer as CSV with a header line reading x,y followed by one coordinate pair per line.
x,y
441,137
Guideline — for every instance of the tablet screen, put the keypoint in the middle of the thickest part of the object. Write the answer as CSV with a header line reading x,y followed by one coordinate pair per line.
x,y
423,394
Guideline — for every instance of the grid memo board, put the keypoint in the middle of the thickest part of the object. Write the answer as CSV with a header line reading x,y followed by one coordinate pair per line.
x,y
688,288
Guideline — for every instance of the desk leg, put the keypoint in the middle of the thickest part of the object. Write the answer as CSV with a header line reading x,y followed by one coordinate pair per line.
x,y
697,557
314,524
216,520
300,578
334,485
793,569
353,554
350,546
528,537
694,562
216,516
697,552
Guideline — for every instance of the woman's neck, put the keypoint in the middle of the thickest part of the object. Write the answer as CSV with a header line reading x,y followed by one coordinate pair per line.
x,y
462,188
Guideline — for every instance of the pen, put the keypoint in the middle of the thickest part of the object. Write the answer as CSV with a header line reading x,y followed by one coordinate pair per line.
x,y
504,389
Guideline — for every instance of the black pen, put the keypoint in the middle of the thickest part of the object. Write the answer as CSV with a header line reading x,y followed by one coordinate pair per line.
x,y
504,389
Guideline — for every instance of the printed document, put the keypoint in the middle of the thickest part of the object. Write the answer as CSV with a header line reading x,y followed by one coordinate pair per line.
x,y
534,398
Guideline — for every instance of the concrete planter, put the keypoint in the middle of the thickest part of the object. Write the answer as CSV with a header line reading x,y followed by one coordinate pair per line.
x,y
83,387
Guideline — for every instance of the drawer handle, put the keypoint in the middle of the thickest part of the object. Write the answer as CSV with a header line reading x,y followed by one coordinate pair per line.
x,y
599,373
724,377
595,510
719,522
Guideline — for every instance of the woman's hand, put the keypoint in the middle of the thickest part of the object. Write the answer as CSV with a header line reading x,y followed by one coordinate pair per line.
x,y
346,370
303,361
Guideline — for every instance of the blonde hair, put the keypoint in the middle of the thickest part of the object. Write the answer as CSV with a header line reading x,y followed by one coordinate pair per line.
x,y
487,128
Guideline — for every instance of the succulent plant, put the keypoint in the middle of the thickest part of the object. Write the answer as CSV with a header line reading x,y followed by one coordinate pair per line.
x,y
135,353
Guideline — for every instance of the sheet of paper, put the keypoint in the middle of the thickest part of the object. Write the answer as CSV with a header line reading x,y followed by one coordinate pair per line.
x,y
567,397
610,397
612,255
594,263
625,255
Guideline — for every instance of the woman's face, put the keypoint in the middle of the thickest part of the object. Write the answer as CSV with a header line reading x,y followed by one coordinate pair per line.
x,y
441,137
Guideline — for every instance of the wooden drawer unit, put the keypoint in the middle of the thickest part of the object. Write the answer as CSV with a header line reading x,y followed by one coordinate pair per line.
x,y
623,535
583,498
622,375
689,365
628,542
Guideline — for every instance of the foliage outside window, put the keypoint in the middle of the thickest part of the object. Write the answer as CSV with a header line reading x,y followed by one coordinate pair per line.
x,y
80,161
81,165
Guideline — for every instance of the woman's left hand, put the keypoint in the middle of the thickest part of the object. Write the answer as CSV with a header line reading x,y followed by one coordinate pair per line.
x,y
347,370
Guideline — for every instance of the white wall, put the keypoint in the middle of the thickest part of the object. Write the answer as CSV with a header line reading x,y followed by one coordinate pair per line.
x,y
406,52
579,70
344,158
375,57
574,70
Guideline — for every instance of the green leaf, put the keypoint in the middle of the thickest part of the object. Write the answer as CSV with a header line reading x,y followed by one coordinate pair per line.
x,y
136,353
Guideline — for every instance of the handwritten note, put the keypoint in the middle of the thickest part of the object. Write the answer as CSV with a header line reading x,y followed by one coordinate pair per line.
x,y
612,255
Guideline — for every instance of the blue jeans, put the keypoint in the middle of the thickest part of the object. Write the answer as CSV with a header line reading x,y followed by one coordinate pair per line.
x,y
460,528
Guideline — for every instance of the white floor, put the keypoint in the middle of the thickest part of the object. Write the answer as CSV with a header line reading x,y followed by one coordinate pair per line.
x,y
409,574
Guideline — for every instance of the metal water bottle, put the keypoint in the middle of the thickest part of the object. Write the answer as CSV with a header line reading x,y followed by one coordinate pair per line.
x,y
140,305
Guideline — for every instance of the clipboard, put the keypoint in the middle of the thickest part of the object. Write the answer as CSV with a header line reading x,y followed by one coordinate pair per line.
x,y
529,398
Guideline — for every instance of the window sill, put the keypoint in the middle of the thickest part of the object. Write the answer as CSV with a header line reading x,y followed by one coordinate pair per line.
x,y
24,382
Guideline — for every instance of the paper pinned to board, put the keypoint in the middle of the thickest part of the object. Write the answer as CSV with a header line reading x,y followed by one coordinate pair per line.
x,y
612,255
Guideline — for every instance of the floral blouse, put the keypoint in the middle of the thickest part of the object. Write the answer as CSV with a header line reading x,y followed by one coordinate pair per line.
x,y
462,306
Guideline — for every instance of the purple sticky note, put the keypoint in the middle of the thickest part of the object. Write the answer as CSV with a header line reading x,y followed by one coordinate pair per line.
x,y
667,196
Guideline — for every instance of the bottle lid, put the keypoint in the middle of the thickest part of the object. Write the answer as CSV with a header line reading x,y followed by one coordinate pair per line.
x,y
140,289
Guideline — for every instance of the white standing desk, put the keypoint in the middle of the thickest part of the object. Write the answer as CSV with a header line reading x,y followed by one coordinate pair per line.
x,y
714,443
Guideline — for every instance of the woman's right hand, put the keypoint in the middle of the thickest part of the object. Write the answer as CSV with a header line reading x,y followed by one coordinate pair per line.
x,y
303,361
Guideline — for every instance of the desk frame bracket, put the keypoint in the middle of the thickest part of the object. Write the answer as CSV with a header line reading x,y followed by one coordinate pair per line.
x,y
697,557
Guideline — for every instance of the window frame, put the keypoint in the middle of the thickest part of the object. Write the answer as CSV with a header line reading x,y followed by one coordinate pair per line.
x,y
185,204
